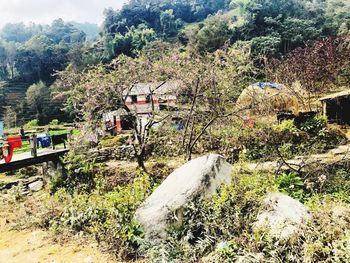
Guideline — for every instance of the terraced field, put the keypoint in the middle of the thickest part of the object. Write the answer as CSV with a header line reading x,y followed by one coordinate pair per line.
x,y
11,93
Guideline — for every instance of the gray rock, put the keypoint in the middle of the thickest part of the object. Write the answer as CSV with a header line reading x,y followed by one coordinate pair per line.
x,y
36,186
282,215
198,178
88,260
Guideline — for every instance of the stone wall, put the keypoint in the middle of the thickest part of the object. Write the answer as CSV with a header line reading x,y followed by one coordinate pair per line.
x,y
122,153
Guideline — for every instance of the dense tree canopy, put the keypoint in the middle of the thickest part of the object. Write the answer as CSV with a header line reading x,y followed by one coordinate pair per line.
x,y
273,27
33,53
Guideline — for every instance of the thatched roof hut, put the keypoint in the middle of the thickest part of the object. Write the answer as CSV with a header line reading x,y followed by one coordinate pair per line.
x,y
267,98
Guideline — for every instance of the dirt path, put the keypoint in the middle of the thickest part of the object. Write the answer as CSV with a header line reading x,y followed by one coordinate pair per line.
x,y
36,246
25,246
340,153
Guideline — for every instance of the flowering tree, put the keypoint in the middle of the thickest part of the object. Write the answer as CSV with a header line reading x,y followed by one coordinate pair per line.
x,y
211,84
318,66
208,87
105,88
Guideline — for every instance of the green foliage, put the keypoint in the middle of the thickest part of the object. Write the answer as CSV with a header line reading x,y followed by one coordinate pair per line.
x,y
54,122
109,217
163,17
31,54
27,172
220,229
113,141
170,26
288,139
288,126
316,125
265,45
38,97
134,40
292,185
32,123
330,179
61,32
80,175
210,35
17,32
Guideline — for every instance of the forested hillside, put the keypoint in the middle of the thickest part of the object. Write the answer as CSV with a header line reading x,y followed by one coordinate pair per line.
x,y
273,27
33,53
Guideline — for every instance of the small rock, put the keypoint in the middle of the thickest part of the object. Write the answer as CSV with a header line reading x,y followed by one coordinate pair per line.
x,y
36,186
88,260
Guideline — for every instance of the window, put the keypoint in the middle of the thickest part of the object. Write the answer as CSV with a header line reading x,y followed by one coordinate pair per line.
x,y
148,99
134,99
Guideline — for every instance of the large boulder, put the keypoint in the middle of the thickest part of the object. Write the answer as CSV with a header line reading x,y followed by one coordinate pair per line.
x,y
198,178
282,215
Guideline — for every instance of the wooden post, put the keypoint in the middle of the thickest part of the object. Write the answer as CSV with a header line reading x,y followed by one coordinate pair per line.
x,y
33,145
324,108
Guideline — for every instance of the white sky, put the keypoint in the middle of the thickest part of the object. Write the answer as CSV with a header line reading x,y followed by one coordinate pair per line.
x,y
45,11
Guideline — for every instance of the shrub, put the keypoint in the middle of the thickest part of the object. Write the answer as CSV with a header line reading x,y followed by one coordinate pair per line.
x,y
28,172
167,141
292,185
314,125
113,141
79,175
288,140
329,179
54,122
108,217
288,126
32,123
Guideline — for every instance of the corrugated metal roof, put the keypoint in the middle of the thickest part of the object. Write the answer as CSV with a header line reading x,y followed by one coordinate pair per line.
x,y
155,88
336,95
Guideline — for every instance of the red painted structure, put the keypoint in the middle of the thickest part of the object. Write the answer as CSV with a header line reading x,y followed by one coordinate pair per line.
x,y
139,100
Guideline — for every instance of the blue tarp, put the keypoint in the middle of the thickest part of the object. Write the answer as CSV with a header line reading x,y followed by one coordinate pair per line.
x,y
44,140
264,85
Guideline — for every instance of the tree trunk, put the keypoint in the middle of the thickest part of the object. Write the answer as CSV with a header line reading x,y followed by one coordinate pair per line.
x,y
141,162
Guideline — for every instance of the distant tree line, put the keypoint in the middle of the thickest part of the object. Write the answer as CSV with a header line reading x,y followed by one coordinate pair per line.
x,y
31,55
273,27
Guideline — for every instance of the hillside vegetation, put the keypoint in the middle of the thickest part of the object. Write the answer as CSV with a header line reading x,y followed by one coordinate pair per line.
x,y
214,52
34,53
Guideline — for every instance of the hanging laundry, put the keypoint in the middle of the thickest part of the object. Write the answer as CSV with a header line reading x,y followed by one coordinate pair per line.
x,y
13,143
8,153
1,153
44,140
59,139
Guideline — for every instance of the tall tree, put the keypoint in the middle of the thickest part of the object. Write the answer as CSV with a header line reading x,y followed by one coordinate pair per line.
x,y
319,67
38,98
